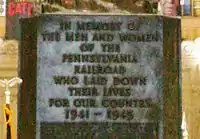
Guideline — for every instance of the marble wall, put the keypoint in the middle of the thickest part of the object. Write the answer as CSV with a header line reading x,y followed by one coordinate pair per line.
x,y
191,96
190,31
8,69
2,25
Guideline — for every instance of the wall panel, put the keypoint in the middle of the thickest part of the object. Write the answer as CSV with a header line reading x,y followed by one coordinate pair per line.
x,y
8,69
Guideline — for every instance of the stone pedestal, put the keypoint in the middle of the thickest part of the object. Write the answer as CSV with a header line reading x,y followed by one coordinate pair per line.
x,y
59,52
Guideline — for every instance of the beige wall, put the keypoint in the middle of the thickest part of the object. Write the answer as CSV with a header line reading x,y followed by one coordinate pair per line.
x,y
191,97
2,32
191,79
2,26
8,69
190,27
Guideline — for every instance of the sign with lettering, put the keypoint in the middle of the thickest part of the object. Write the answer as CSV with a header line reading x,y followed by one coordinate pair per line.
x,y
98,77
21,8
16,10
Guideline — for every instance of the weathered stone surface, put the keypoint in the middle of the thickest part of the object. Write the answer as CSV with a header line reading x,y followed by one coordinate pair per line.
x,y
157,61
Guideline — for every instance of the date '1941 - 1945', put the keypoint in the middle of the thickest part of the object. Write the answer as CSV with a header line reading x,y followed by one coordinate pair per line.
x,y
112,114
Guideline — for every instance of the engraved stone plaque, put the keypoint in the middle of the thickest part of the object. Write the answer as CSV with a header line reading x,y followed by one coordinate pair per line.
x,y
100,77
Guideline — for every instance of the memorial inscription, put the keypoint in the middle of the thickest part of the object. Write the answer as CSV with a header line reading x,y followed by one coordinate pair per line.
x,y
99,77
100,80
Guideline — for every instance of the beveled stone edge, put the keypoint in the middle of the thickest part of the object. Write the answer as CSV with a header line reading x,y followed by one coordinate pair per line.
x,y
82,13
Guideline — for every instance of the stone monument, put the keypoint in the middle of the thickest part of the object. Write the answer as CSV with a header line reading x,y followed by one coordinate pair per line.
x,y
100,77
